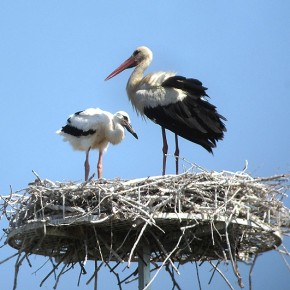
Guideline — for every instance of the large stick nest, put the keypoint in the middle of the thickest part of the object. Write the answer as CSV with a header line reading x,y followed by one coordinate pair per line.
x,y
201,216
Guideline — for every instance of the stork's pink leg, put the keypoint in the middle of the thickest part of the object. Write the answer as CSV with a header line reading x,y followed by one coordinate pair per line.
x,y
176,154
164,149
87,165
100,165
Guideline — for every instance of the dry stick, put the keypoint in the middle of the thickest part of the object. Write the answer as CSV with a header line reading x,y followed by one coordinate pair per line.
x,y
95,274
42,210
211,277
19,262
136,243
164,262
251,270
116,274
6,201
63,206
139,209
221,273
197,273
98,243
70,267
224,257
58,277
7,259
86,250
36,175
118,263
28,261
17,266
81,272
234,264
164,251
53,269
111,250
134,273
163,203
154,181
127,235
88,181
285,251
111,235
284,259
154,224
41,266
171,274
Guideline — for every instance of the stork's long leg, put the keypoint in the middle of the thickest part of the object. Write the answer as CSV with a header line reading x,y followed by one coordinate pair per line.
x,y
87,165
176,154
164,149
100,165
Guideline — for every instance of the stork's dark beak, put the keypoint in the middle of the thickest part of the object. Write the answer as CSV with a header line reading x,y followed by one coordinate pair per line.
x,y
130,129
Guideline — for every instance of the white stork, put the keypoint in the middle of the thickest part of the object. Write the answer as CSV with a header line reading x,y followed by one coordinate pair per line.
x,y
174,102
95,129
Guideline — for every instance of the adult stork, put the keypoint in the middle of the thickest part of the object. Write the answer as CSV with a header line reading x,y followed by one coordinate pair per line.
x,y
95,129
174,102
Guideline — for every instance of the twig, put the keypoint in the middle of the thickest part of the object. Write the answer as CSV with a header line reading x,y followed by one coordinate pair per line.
x,y
36,175
117,276
136,243
171,274
165,261
95,274
234,264
221,273
211,277
58,277
111,250
164,251
17,266
7,259
251,271
53,269
197,273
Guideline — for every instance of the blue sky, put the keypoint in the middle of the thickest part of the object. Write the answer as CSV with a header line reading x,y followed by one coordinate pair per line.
x,y
55,55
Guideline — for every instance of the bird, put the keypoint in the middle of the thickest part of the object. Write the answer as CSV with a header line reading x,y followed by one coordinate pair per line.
x,y
94,128
174,102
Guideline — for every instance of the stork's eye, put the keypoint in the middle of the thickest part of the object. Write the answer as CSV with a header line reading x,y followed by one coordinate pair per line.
x,y
136,52
125,118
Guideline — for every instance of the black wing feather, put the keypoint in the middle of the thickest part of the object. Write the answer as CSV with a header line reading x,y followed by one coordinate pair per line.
x,y
71,130
191,86
192,118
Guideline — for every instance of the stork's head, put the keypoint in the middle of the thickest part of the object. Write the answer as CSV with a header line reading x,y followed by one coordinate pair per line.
x,y
123,118
141,56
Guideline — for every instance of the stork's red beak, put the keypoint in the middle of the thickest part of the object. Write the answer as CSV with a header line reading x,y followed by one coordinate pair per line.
x,y
130,62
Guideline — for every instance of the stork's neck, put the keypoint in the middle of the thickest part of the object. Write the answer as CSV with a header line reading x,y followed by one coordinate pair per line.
x,y
116,134
136,78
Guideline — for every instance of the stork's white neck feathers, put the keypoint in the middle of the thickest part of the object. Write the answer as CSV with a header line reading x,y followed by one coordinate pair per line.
x,y
116,133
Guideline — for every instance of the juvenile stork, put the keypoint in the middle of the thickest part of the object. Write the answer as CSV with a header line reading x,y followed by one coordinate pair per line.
x,y
174,102
95,129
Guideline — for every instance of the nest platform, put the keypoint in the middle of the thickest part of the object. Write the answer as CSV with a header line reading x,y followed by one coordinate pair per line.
x,y
200,216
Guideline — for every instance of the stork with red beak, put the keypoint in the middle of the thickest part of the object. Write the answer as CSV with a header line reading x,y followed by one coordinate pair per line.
x,y
174,102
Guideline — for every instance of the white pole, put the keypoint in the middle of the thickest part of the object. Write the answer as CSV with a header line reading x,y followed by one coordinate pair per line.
x,y
144,267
